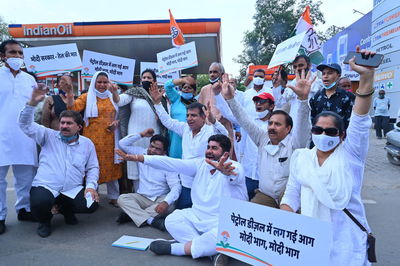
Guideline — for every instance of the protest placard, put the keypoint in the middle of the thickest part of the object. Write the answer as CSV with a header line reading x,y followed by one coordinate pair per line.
x,y
177,58
119,69
286,51
261,235
161,79
50,60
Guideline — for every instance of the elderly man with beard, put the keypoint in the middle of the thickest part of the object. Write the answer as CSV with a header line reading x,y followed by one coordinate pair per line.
x,y
66,161
214,178
275,145
325,182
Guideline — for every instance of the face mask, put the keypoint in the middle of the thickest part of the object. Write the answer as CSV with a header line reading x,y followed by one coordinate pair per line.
x,y
213,81
381,96
66,139
187,95
146,85
272,149
15,63
258,81
325,143
329,86
262,114
56,91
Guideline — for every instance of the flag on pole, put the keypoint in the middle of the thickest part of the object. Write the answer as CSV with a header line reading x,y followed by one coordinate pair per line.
x,y
311,44
176,33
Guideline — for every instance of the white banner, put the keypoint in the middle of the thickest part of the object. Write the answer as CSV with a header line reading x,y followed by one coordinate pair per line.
x,y
119,69
161,79
50,60
177,58
286,51
261,235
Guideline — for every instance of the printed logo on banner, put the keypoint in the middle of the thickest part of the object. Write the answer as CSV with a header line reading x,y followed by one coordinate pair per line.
x,y
261,235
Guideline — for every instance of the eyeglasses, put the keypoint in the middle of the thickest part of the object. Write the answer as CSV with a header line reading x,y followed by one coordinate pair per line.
x,y
330,131
260,101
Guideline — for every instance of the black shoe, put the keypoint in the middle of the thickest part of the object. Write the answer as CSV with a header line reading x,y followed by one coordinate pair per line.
x,y
161,247
2,226
44,229
159,223
123,218
70,218
23,215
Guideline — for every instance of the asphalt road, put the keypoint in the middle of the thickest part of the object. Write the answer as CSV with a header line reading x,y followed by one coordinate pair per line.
x,y
89,242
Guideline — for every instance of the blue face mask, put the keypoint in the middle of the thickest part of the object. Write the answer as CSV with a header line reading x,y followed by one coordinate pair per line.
x,y
329,86
68,139
56,91
187,95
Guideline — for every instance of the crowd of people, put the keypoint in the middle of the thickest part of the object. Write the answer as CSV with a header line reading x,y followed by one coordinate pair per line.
x,y
299,146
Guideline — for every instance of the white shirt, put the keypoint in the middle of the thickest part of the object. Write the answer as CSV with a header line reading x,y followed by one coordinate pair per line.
x,y
208,189
249,160
192,146
15,92
273,169
152,181
349,242
62,166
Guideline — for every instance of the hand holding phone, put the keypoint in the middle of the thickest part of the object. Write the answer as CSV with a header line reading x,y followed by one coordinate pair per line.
x,y
362,60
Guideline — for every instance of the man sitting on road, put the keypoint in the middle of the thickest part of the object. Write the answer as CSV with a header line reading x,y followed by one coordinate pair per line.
x,y
66,160
157,190
214,178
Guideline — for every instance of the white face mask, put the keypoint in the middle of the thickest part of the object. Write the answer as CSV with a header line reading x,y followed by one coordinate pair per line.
x,y
262,114
271,149
15,63
325,143
258,81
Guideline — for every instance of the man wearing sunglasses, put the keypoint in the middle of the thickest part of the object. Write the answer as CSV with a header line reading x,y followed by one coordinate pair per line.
x,y
276,143
326,180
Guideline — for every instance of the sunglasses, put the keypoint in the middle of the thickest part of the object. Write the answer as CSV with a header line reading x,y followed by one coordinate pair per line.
x,y
260,101
330,131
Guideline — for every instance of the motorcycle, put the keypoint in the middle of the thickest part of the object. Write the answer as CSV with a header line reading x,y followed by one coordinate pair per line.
x,y
393,144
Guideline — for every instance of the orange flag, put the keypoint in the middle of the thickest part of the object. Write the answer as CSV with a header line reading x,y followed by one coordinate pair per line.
x,y
176,33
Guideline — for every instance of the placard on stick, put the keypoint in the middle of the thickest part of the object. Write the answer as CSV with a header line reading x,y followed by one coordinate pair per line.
x,y
286,51
261,235
161,79
177,58
53,59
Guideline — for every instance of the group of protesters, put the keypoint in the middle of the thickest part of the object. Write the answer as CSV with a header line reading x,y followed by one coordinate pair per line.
x,y
168,156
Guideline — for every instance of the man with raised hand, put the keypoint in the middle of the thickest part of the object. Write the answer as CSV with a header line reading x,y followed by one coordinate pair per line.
x,y
67,161
194,132
275,145
215,177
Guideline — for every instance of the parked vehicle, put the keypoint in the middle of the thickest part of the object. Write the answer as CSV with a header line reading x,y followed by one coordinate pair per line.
x,y
393,144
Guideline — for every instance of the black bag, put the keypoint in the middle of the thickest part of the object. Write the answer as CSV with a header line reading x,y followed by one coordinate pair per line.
x,y
370,238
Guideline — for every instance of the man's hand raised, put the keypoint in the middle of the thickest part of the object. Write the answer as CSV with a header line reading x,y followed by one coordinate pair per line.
x,y
222,166
303,84
228,91
38,94
155,93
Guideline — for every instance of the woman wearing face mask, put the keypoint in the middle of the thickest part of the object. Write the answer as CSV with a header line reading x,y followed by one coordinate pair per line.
x,y
178,108
100,114
55,104
142,114
325,182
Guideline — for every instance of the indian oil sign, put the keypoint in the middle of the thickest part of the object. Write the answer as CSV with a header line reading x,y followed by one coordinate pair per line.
x,y
48,30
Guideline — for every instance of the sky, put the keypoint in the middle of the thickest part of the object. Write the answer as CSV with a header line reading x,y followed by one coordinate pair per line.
x,y
236,15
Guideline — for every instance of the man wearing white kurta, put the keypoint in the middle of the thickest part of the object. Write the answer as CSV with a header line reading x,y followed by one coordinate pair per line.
x,y
328,178
157,189
66,160
215,178
275,145
195,133
17,149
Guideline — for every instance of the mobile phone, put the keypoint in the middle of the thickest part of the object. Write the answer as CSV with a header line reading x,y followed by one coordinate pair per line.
x,y
371,61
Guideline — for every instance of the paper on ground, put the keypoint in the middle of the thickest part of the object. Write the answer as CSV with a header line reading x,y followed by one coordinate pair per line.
x,y
133,242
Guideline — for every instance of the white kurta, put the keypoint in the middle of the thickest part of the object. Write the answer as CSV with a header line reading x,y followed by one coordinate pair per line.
x,y
16,148
349,242
142,117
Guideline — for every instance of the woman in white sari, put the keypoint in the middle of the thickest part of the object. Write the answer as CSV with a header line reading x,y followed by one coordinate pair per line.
x,y
328,178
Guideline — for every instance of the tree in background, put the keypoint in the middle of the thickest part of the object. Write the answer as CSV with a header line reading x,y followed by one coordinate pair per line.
x,y
275,21
330,32
4,34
